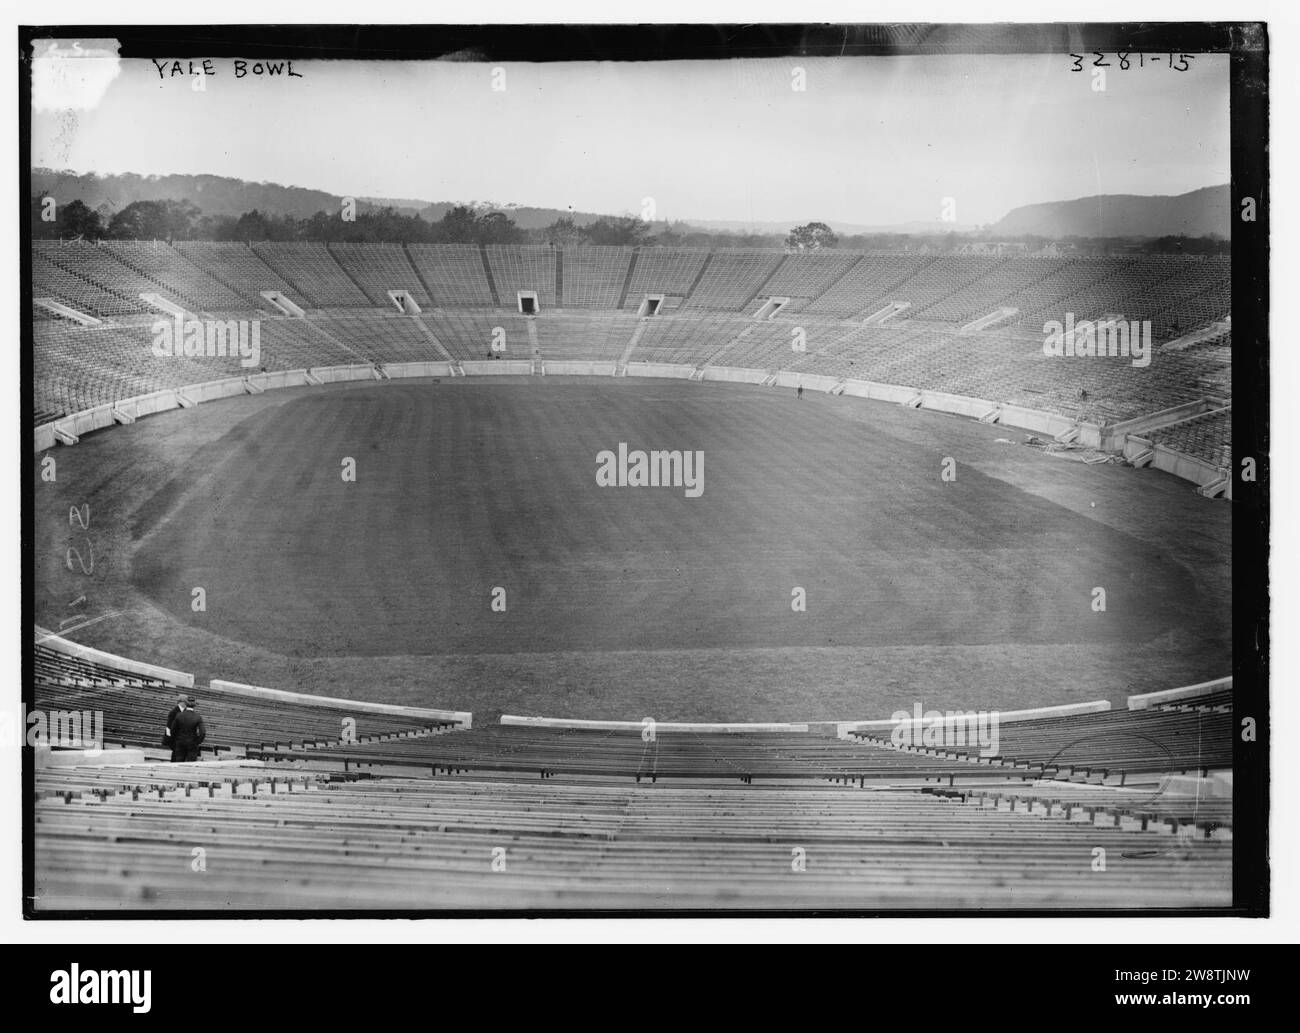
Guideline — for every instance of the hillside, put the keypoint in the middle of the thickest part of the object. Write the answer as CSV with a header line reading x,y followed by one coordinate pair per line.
x,y
225,195
1200,213
215,195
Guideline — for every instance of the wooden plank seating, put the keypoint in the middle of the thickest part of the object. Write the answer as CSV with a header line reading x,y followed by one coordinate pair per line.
x,y
77,368
593,276
1122,807
425,843
593,336
380,268
314,273
547,752
1161,740
135,710
1221,700
453,273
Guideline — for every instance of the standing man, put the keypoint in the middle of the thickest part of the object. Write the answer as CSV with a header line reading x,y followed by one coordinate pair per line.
x,y
185,730
182,700
799,394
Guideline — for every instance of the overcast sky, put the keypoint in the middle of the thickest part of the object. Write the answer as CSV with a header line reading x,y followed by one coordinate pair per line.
x,y
869,141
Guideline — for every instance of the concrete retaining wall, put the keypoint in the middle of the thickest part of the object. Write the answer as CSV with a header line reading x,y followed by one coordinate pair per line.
x,y
330,375
659,369
499,367
810,381
461,717
120,663
844,728
637,726
878,392
402,370
1146,700
578,368
735,374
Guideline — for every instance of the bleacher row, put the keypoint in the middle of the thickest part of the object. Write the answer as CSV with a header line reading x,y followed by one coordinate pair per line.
x,y
410,814
134,710
78,367
1094,746
1188,737
1207,436
1174,740
466,292
305,839
1176,293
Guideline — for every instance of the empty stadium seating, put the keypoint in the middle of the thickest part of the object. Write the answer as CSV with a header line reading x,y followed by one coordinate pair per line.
x,y
523,268
135,708
90,279
406,811
240,268
671,755
291,836
689,339
199,291
867,285
732,279
314,274
1163,741
711,299
664,270
376,336
410,813
1207,437
594,336
469,334
807,275
378,269
594,276
454,274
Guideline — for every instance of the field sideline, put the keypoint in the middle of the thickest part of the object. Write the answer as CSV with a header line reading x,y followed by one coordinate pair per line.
x,y
622,602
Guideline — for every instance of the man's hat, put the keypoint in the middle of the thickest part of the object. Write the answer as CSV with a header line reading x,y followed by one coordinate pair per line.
x,y
182,698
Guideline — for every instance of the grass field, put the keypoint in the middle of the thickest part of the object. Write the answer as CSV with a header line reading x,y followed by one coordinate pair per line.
x,y
627,601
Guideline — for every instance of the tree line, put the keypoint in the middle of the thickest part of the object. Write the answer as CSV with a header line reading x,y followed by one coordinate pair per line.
x,y
183,220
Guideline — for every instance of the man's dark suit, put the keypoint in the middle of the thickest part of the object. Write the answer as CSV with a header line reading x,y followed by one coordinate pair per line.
x,y
187,735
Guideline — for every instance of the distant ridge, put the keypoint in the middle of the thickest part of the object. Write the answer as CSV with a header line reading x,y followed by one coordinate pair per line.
x,y
1203,212
1200,213
225,195
215,195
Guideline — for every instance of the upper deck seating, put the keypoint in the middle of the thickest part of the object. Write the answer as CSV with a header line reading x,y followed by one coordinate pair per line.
x,y
240,268
163,263
454,274
312,271
523,268
593,276
664,270
732,279
380,268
